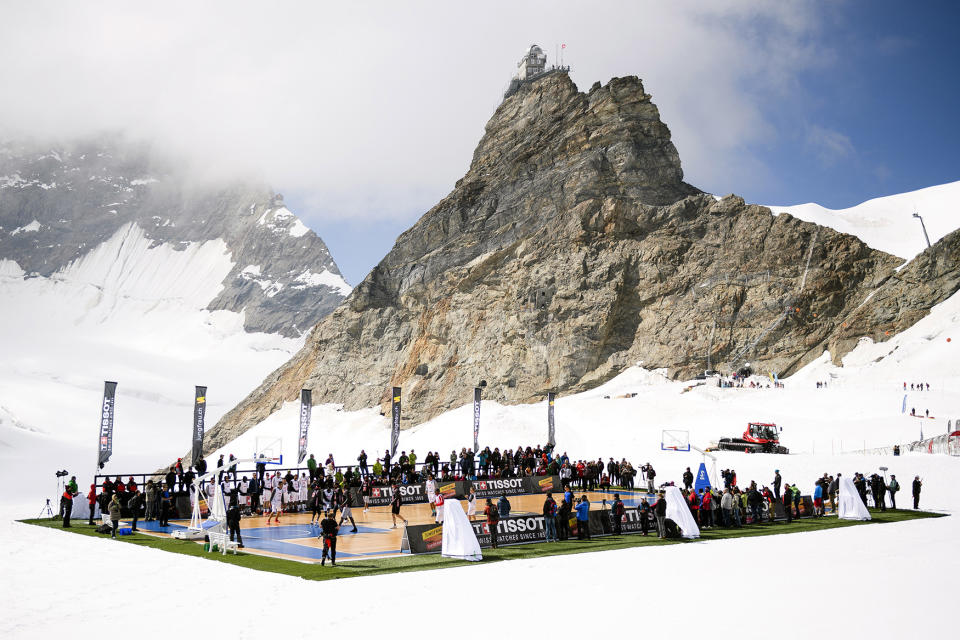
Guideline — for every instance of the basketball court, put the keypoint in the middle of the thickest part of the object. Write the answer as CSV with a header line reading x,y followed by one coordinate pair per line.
x,y
296,539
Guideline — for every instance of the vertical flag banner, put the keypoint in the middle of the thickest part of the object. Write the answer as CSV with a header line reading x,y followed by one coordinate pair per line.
x,y
106,423
551,432
199,410
476,419
306,408
395,413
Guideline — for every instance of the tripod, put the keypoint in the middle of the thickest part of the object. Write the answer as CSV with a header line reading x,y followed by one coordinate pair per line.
x,y
47,509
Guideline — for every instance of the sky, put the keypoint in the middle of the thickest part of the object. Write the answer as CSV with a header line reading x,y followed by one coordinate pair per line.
x,y
364,115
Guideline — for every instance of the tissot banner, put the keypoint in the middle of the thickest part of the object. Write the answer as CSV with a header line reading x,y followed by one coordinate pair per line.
x,y
476,419
395,413
106,422
199,411
551,434
306,407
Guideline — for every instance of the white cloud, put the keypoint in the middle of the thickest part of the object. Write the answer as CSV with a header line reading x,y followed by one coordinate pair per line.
x,y
373,109
827,145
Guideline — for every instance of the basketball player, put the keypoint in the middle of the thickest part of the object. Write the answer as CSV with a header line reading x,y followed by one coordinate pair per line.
x,y
432,494
439,508
346,513
395,507
276,502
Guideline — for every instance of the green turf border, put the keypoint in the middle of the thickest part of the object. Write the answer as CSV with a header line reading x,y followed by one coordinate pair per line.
x,y
372,567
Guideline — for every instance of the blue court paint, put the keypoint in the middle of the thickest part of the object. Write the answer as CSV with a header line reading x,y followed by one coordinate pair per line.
x,y
274,538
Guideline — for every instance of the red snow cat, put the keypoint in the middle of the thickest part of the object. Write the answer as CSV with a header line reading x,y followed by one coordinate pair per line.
x,y
760,437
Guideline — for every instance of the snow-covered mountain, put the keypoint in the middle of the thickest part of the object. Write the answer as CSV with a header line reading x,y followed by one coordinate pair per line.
x,y
887,223
112,267
58,205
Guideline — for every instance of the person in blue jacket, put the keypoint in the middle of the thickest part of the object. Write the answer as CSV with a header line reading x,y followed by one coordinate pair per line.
x,y
818,500
583,518
503,507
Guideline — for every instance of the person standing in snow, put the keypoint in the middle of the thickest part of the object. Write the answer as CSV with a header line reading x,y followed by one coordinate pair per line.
x,y
917,485
832,489
726,506
134,502
893,487
92,502
329,529
493,521
550,518
777,480
66,507
787,500
643,514
583,518
616,514
114,510
165,503
651,475
660,512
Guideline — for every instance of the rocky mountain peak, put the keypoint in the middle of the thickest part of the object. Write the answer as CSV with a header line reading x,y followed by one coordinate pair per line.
x,y
573,249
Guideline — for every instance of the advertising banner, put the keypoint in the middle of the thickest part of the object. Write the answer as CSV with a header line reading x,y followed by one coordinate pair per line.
x,y
395,417
380,496
199,411
476,419
306,409
551,431
105,445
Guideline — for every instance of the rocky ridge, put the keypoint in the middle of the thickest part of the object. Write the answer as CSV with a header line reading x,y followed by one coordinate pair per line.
x,y
58,204
572,249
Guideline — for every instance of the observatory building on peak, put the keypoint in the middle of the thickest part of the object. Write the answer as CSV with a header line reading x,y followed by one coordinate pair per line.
x,y
532,66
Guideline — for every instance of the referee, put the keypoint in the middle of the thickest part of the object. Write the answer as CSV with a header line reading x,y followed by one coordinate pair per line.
x,y
329,529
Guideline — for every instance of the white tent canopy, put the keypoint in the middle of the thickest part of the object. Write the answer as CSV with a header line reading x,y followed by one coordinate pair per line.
x,y
679,512
459,540
851,507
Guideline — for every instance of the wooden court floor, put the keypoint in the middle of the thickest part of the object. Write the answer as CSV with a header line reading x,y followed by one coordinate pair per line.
x,y
296,539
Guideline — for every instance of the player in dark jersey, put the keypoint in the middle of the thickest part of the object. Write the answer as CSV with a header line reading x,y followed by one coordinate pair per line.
x,y
329,529
395,507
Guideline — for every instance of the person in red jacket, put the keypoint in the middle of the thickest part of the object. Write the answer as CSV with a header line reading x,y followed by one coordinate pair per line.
x,y
131,485
706,509
92,501
694,501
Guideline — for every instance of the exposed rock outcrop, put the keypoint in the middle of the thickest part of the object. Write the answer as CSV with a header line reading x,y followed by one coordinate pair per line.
x,y
572,249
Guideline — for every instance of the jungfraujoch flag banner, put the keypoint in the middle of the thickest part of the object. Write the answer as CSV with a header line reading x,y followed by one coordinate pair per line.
x,y
395,416
306,407
106,423
199,410
551,433
476,419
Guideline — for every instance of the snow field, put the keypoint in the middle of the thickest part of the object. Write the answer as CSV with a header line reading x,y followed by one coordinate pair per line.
x,y
887,223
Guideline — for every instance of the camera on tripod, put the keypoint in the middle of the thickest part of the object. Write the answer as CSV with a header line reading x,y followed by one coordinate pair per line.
x,y
60,474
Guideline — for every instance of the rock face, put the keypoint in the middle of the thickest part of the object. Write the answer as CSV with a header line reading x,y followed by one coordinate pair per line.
x,y
56,205
572,249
